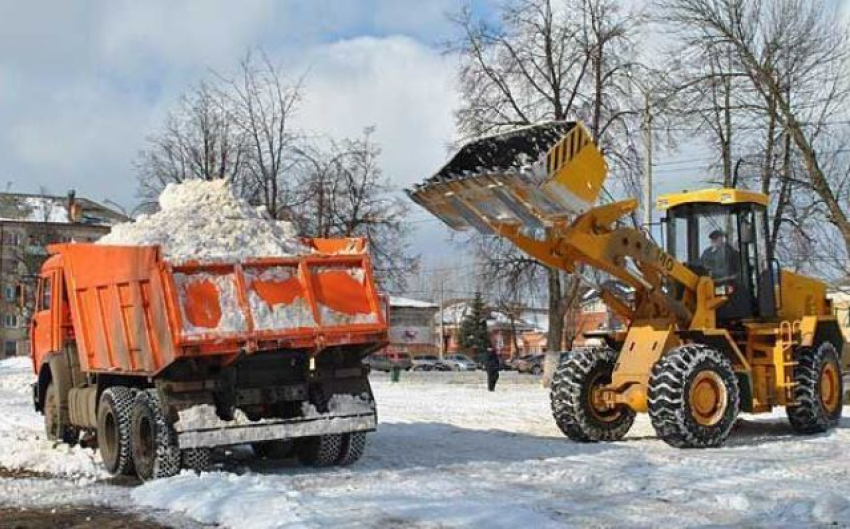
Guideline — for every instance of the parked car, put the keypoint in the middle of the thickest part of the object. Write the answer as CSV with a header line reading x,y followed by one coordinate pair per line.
x,y
385,360
428,363
460,363
531,364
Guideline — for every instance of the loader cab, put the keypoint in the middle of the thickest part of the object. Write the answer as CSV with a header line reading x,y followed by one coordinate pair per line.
x,y
722,233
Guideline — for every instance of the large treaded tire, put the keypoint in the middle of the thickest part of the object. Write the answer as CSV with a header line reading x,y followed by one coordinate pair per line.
x,y
671,411
811,414
196,459
320,451
154,441
353,446
113,430
571,398
53,426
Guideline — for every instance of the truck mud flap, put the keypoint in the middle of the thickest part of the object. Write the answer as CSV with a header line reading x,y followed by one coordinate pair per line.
x,y
224,434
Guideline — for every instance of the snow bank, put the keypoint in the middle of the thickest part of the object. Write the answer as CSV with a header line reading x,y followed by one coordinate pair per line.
x,y
23,444
206,221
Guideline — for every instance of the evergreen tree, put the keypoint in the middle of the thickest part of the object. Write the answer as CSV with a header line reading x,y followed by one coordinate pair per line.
x,y
473,328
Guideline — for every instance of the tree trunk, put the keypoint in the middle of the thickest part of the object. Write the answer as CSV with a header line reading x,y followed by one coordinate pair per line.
x,y
556,326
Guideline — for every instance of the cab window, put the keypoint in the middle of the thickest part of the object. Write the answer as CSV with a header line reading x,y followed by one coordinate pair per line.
x,y
46,294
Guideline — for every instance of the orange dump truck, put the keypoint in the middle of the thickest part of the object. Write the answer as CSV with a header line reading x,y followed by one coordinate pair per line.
x,y
161,362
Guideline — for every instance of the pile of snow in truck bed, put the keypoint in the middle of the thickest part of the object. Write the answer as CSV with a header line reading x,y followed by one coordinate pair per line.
x,y
205,221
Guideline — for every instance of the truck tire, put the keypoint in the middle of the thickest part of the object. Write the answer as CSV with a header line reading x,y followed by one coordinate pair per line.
x,y
353,446
196,459
320,451
113,430
279,449
55,429
693,397
572,398
819,390
154,441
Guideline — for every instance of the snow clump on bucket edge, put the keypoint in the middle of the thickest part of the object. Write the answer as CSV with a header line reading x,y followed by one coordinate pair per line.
x,y
203,220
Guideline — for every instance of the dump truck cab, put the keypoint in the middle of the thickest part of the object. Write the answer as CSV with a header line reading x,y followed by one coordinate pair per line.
x,y
723,234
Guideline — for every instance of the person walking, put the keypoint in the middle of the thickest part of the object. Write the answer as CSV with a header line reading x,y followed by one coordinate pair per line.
x,y
492,363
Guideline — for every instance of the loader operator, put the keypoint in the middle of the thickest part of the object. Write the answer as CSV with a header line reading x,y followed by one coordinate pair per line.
x,y
720,259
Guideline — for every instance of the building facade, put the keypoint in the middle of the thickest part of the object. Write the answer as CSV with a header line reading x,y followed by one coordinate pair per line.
x,y
412,328
28,223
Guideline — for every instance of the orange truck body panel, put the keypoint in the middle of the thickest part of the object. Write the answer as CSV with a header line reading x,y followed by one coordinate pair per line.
x,y
132,312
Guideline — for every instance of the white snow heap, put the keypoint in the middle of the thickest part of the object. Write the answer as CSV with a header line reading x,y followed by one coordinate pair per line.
x,y
205,221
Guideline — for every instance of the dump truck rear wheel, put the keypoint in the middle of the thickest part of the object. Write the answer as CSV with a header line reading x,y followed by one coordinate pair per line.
x,y
353,446
155,450
693,397
278,449
196,459
321,451
819,390
55,429
113,430
575,407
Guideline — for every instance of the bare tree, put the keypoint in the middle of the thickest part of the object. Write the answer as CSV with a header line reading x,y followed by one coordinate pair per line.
x,y
344,193
545,61
795,55
262,104
199,141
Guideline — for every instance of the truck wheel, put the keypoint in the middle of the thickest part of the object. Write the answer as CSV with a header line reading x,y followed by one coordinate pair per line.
x,y
321,451
819,390
576,411
154,441
353,445
196,459
278,449
54,427
113,430
693,397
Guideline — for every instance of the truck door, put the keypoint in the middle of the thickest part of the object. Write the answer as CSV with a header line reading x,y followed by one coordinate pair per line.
x,y
41,326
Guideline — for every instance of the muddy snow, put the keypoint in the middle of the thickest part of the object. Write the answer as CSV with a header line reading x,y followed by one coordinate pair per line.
x,y
205,221
454,455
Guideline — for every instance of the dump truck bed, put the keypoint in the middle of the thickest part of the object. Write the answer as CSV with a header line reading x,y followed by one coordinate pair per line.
x,y
135,313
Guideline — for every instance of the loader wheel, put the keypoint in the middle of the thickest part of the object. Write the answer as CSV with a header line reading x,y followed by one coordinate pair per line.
x,y
353,445
575,407
320,451
693,397
279,449
819,390
196,459
113,430
55,429
154,441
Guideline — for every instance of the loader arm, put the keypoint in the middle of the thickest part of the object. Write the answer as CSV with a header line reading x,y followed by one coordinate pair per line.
x,y
485,188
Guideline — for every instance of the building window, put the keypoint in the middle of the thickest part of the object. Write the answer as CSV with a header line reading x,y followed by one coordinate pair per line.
x,y
10,321
11,238
10,348
9,293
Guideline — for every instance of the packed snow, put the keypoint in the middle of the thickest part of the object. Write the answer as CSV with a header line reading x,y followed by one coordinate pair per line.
x,y
276,316
23,444
231,318
454,455
205,221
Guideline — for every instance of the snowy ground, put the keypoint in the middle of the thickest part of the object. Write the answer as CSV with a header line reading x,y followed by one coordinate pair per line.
x,y
451,455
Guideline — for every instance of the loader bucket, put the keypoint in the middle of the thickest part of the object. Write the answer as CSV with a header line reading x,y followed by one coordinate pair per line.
x,y
530,177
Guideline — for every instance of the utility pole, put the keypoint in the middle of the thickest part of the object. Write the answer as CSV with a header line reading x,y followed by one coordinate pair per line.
x,y
647,170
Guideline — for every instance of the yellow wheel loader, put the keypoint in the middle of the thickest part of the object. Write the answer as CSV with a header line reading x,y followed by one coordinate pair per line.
x,y
715,327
